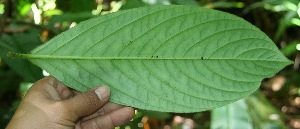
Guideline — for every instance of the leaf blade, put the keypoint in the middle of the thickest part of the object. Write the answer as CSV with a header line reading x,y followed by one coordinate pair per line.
x,y
163,58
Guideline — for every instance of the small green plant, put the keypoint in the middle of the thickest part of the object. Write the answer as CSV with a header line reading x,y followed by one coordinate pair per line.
x,y
163,58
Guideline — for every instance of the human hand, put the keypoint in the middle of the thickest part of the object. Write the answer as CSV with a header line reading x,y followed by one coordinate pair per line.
x,y
50,104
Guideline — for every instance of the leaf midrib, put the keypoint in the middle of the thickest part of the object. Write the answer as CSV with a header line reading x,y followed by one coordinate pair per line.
x,y
32,56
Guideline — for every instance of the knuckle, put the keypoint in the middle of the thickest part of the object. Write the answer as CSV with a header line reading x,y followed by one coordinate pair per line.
x,y
112,121
101,112
95,125
59,105
60,108
59,112
63,114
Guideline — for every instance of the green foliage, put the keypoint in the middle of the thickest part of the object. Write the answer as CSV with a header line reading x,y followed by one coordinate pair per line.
x,y
129,4
16,43
278,18
8,79
76,5
8,85
263,114
155,115
70,17
23,6
185,2
232,116
225,4
253,112
7,112
290,49
290,10
185,59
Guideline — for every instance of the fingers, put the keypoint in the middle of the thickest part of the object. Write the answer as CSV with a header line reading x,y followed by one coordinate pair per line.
x,y
43,89
63,91
86,103
108,121
107,108
72,105
51,89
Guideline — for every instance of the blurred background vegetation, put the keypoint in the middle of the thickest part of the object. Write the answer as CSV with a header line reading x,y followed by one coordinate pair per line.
x,y
25,24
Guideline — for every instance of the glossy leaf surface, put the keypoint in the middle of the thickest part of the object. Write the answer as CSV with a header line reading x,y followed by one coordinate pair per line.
x,y
163,58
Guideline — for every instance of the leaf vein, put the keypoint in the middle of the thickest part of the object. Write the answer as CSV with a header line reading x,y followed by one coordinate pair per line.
x,y
107,82
209,68
120,28
219,32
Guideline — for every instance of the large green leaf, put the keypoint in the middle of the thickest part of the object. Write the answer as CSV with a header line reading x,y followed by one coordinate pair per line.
x,y
163,58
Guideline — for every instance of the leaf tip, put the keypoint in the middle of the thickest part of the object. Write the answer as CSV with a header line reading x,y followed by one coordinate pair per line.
x,y
290,62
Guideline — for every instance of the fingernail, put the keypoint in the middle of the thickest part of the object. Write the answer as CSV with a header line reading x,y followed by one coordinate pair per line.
x,y
102,92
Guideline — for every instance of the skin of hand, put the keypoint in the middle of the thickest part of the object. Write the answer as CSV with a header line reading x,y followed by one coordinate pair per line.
x,y
49,104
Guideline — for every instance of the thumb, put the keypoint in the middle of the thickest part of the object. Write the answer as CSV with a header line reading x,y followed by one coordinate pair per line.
x,y
88,102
